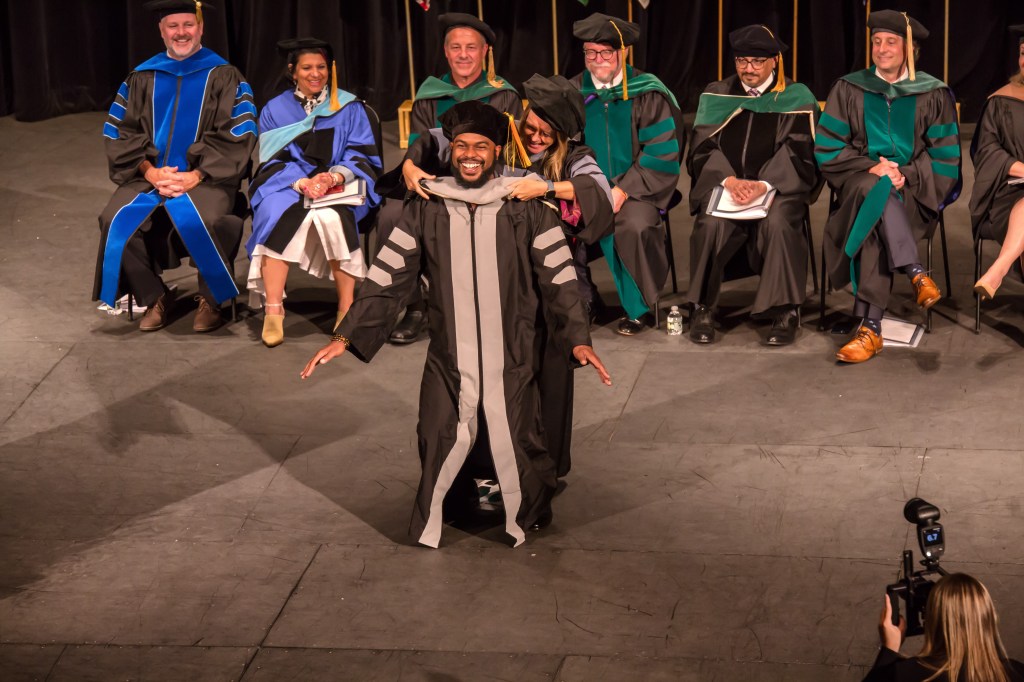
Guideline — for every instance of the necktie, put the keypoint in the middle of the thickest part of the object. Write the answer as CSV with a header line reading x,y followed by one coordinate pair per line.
x,y
754,92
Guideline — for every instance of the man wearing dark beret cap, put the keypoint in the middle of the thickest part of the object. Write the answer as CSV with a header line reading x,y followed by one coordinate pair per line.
x,y
889,146
498,270
178,137
468,43
753,135
635,127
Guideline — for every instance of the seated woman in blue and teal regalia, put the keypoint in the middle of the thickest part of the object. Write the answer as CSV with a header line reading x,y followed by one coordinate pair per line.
x,y
313,138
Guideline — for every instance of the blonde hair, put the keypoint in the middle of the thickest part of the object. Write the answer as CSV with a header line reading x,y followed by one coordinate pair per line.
x,y
554,156
961,628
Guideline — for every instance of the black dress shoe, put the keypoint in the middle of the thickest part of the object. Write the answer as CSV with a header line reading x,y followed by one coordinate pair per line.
x,y
628,327
783,331
542,522
702,324
409,328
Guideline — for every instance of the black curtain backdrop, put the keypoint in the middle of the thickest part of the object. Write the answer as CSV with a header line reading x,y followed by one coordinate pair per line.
x,y
65,56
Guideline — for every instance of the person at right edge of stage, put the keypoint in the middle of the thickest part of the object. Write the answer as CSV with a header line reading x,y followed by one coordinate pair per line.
x,y
635,128
498,269
753,134
889,146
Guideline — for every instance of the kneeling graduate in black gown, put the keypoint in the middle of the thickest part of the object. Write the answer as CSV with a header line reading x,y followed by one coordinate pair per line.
x,y
498,270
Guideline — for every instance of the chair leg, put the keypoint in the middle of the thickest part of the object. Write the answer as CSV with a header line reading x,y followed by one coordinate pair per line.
x,y
928,267
945,252
810,251
131,306
822,290
657,313
671,253
977,276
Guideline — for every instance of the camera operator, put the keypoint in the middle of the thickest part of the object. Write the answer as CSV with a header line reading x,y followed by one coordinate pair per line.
x,y
961,639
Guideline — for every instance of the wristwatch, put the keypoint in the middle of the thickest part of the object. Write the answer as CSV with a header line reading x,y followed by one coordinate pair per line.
x,y
550,194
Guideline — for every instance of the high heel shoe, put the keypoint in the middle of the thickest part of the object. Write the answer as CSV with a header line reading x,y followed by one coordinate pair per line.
x,y
339,316
273,326
984,291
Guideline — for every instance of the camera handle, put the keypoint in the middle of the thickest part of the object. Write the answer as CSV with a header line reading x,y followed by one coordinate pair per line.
x,y
910,580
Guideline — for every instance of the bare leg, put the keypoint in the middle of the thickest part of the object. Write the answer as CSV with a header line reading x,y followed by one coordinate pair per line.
x,y
275,274
1013,247
346,286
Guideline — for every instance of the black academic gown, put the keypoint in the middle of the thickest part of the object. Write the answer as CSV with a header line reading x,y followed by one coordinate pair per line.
x,y
425,112
778,149
931,170
596,221
643,163
998,143
496,272
206,124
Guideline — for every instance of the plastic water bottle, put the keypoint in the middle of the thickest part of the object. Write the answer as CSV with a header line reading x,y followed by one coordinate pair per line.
x,y
674,323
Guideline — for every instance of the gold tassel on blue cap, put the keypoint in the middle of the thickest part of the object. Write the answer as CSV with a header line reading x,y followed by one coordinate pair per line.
x,y
335,104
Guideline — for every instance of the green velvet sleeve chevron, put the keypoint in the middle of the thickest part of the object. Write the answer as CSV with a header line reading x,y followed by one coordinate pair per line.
x,y
655,169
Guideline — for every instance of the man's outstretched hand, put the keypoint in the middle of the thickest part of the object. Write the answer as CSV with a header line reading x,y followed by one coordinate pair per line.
x,y
585,355
323,356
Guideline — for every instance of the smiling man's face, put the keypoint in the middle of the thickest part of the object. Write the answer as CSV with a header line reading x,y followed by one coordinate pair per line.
x,y
473,158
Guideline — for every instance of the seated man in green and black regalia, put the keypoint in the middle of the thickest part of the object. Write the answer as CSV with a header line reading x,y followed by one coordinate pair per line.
x,y
467,43
889,146
632,128
753,134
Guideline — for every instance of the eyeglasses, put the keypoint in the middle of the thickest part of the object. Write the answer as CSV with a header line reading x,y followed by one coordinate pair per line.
x,y
530,131
592,55
756,62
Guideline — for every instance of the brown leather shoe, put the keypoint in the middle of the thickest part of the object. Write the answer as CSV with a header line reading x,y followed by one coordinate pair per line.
x,y
864,346
928,293
207,316
156,315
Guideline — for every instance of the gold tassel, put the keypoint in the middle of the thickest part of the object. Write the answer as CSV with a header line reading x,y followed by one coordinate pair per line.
x,y
780,77
199,12
622,60
910,48
514,148
491,77
335,104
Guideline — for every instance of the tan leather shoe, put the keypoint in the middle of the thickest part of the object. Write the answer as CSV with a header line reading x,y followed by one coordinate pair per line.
x,y
207,316
864,346
156,315
273,325
338,317
928,293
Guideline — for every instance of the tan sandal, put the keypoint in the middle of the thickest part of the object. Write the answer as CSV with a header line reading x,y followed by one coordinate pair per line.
x,y
273,326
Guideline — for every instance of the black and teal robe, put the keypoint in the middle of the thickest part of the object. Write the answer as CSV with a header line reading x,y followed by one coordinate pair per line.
x,y
196,114
637,143
499,272
768,138
998,143
437,95
913,123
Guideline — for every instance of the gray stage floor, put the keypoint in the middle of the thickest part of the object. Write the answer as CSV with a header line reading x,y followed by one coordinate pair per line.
x,y
183,507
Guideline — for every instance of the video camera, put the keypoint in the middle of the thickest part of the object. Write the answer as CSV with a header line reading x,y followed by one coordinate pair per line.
x,y
913,587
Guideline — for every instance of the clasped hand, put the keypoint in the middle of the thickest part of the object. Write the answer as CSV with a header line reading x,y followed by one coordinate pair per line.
x,y
744,191
170,183
892,169
316,186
